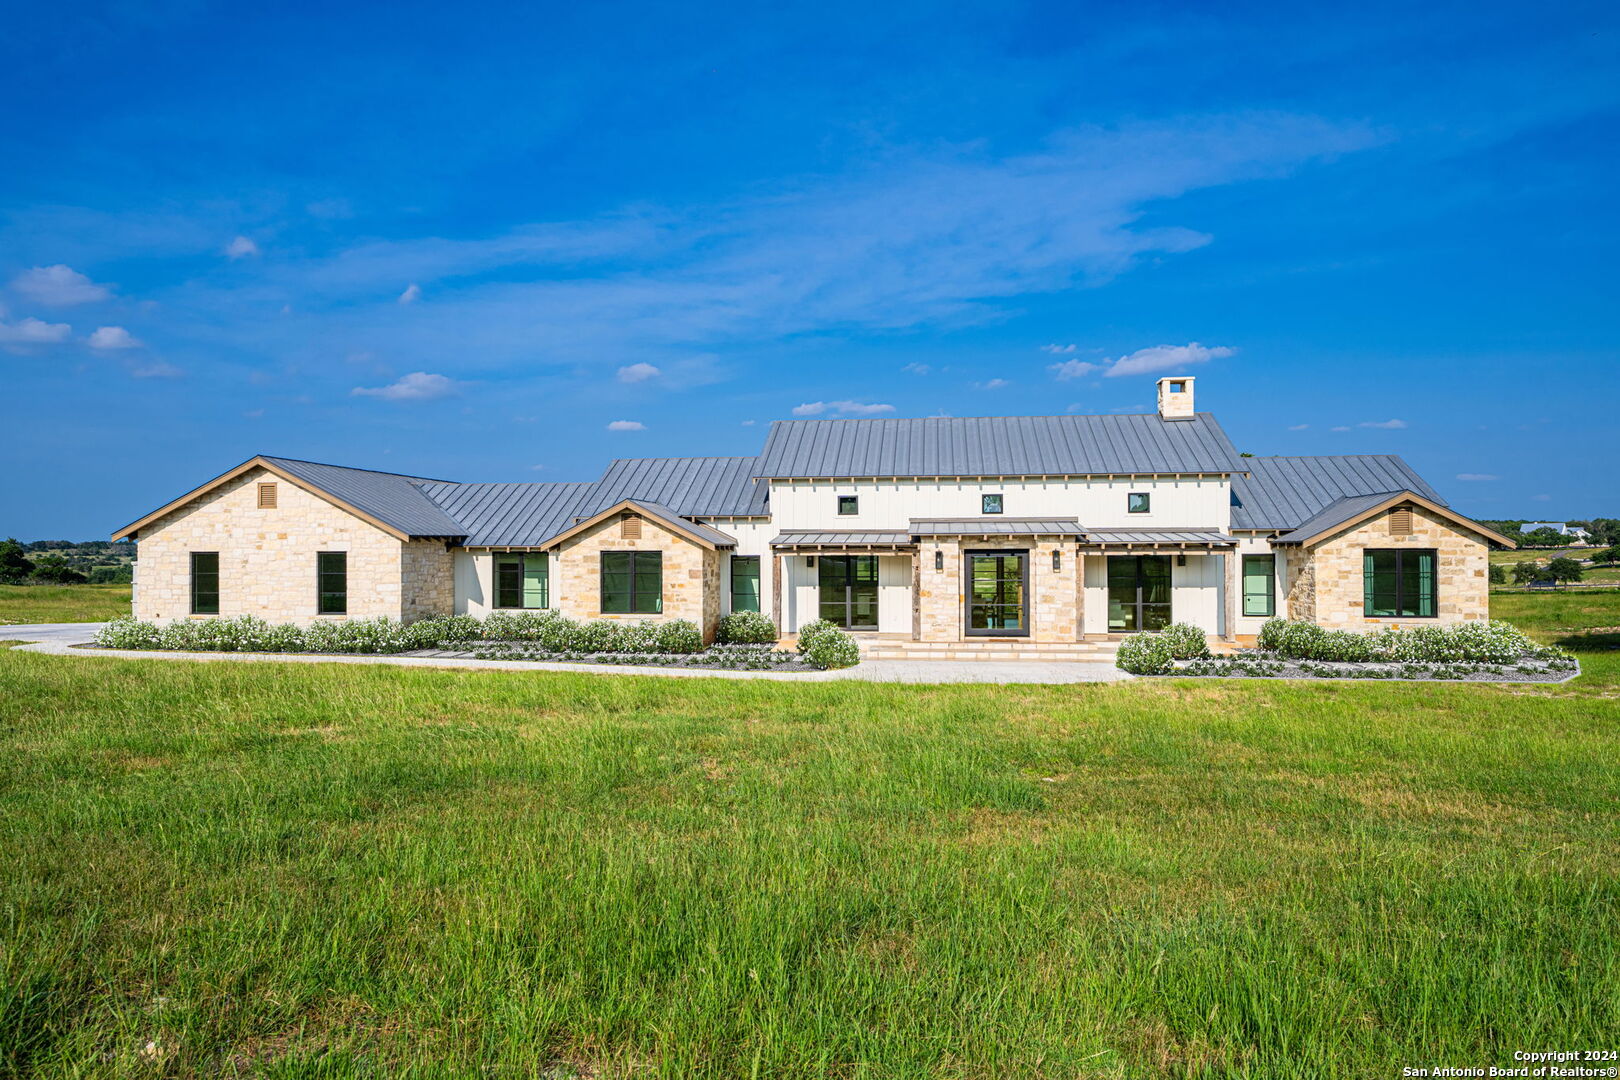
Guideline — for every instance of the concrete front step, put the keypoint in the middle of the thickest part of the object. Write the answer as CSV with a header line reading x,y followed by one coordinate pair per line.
x,y
1097,652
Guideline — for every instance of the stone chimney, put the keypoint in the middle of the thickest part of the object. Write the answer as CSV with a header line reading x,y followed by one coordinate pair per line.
x,y
1176,398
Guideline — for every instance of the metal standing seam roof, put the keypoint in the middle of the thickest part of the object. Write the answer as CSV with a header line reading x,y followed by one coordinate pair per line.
x,y
996,527
998,446
509,515
1285,492
392,498
863,538
1337,513
670,517
691,486
1209,537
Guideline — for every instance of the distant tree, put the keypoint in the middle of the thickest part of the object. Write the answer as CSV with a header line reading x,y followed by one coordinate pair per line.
x,y
111,575
1498,574
1605,532
1542,538
1527,571
54,570
14,565
1509,529
1564,570
1610,556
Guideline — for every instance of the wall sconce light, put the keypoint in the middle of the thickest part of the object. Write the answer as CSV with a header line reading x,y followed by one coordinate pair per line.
x,y
1057,560
939,559
810,561
1181,560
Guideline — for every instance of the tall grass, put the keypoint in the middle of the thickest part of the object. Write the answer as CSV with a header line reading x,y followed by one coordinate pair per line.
x,y
297,871
21,604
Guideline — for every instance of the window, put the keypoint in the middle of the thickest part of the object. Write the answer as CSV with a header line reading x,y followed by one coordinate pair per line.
x,y
267,496
990,504
205,583
632,582
1399,583
332,582
523,580
1260,585
1137,502
745,583
848,504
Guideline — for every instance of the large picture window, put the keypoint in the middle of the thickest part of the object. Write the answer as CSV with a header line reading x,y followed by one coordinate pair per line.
x,y
332,582
522,580
205,583
632,582
1400,583
745,583
1260,585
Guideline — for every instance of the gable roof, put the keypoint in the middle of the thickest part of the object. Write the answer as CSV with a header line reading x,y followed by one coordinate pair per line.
x,y
691,486
997,446
703,534
1353,509
509,515
1286,492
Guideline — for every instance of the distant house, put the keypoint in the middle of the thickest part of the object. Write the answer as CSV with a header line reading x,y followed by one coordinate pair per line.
x,y
1573,532
972,530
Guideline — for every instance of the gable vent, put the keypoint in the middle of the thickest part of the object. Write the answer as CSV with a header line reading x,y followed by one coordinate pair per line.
x,y
1400,522
630,527
267,496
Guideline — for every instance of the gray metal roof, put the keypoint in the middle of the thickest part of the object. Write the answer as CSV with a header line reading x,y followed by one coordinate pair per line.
x,y
670,517
1285,492
1202,537
998,446
1336,513
863,538
509,515
691,486
391,498
991,526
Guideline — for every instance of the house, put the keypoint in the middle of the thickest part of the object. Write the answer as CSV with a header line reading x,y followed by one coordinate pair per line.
x,y
1046,529
1562,528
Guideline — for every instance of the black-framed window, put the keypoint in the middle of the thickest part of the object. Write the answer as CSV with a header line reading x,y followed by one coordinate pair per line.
x,y
332,582
522,580
1400,583
989,504
745,583
632,582
205,583
1138,502
1260,585
848,504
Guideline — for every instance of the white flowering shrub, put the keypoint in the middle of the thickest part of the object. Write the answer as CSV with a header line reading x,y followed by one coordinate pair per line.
x,y
1186,641
1145,654
746,628
830,648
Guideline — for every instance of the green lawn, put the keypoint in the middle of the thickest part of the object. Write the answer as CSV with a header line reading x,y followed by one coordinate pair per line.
x,y
61,603
294,871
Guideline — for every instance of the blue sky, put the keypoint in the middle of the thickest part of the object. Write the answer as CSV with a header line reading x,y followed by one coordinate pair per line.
x,y
510,244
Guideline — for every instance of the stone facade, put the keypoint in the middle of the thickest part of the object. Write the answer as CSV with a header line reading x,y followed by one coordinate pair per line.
x,y
691,574
940,596
1327,578
267,558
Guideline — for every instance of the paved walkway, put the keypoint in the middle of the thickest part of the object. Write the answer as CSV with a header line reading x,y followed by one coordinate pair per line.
x,y
59,639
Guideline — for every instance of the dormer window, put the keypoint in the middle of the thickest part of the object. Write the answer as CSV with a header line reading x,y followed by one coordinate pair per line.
x,y
1138,502
990,504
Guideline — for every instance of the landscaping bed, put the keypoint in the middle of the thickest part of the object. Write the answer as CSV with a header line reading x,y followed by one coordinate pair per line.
x,y
1473,652
716,657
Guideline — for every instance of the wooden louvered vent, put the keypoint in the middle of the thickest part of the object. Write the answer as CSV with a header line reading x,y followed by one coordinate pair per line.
x,y
1400,522
630,527
267,496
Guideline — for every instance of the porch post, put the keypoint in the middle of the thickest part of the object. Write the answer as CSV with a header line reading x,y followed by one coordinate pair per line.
x,y
1232,561
776,593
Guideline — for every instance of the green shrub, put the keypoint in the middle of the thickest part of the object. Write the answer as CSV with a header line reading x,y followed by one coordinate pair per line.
x,y
1187,642
679,636
1145,654
812,630
830,648
746,628
127,632
1498,574
1493,642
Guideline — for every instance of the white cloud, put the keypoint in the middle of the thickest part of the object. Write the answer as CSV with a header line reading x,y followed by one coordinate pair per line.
x,y
1388,425
241,248
842,408
1167,357
1542,498
33,332
113,337
634,373
1479,476
1341,428
627,425
412,293
537,468
748,423
417,386
916,369
1060,350
157,370
1070,369
58,286
993,384
1298,427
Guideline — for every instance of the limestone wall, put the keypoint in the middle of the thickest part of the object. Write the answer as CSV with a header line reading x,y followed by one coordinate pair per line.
x,y
940,595
691,574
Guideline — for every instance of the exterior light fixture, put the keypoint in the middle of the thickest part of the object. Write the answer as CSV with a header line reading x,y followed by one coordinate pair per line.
x,y
1057,560
810,561
939,559
1181,559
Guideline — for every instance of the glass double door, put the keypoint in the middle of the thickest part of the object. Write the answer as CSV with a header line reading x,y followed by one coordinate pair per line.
x,y
998,593
849,590
1138,593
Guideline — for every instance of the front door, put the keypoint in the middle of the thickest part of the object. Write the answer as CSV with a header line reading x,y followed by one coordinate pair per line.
x,y
1138,593
849,590
998,593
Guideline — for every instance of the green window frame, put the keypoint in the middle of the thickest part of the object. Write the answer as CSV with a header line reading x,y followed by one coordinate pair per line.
x,y
1400,583
205,583
1138,502
332,583
632,582
523,580
745,583
848,504
990,504
1260,585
